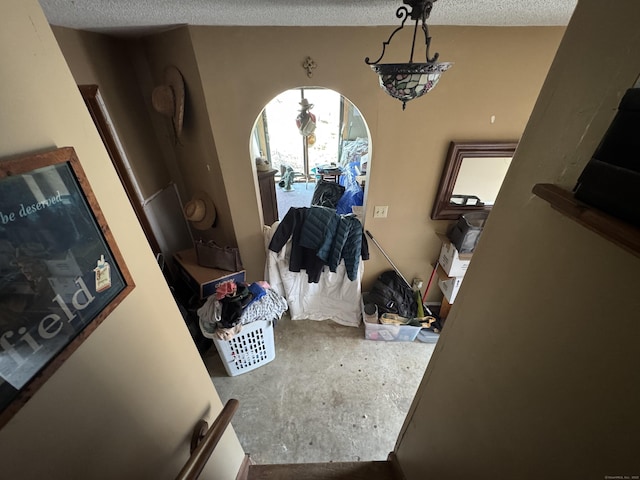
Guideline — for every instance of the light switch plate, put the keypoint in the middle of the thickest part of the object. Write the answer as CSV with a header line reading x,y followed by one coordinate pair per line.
x,y
380,211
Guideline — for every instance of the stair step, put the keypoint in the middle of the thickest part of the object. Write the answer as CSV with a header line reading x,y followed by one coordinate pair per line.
x,y
378,470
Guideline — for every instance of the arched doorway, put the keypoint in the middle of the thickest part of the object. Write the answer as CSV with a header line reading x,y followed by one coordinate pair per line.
x,y
293,155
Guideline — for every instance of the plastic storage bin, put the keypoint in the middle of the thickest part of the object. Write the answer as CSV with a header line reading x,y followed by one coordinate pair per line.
x,y
249,349
427,336
387,333
390,333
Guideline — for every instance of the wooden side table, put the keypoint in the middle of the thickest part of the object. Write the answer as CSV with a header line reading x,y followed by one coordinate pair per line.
x,y
202,280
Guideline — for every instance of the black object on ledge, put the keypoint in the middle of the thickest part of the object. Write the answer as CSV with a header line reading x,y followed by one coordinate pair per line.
x,y
611,179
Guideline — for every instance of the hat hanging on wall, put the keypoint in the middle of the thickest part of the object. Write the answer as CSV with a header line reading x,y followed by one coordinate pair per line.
x,y
168,99
200,211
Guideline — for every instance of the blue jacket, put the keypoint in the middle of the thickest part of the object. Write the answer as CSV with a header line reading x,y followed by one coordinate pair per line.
x,y
346,244
334,237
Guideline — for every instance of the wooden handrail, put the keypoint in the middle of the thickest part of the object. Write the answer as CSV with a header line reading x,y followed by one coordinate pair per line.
x,y
203,442
615,230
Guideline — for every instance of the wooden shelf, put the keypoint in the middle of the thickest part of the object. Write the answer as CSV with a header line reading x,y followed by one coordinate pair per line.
x,y
613,229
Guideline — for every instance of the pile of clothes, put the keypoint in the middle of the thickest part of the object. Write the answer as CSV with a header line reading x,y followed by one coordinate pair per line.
x,y
237,304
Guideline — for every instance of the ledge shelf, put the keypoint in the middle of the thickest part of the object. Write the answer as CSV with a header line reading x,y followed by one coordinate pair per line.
x,y
613,229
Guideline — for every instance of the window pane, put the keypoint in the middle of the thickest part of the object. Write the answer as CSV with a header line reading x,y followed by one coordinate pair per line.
x,y
326,108
285,141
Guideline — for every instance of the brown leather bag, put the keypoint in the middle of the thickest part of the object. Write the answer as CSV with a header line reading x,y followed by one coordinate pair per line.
x,y
211,255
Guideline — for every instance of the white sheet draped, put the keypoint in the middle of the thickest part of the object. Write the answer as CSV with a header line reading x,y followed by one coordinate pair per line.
x,y
334,297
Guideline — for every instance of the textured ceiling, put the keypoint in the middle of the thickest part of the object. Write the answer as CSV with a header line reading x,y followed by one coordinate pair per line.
x,y
138,16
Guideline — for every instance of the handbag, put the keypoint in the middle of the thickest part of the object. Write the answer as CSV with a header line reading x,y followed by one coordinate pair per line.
x,y
212,255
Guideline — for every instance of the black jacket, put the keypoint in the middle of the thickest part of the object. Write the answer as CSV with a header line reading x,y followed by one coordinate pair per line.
x,y
301,258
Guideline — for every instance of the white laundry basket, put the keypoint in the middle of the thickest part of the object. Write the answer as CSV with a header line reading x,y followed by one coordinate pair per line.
x,y
249,349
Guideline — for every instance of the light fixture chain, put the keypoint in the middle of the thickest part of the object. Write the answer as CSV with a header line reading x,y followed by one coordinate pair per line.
x,y
413,41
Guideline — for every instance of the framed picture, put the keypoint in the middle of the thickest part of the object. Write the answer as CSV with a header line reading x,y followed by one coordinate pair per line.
x,y
61,273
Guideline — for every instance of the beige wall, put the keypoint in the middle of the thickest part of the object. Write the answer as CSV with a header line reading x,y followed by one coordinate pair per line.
x,y
96,59
497,71
536,373
232,72
126,72
124,404
195,153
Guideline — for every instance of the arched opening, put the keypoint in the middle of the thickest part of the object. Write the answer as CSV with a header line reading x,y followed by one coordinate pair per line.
x,y
304,137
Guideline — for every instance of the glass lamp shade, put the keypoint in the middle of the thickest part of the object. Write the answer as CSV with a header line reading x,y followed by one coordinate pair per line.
x,y
406,81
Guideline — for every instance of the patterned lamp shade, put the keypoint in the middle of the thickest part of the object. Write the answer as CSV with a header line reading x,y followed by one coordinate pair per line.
x,y
406,81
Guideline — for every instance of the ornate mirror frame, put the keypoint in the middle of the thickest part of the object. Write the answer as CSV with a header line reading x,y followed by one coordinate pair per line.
x,y
443,209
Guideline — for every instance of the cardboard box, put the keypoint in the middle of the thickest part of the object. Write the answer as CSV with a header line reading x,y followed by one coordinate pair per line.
x,y
454,264
448,285
202,279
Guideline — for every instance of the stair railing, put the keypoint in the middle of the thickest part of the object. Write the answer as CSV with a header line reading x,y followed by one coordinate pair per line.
x,y
204,441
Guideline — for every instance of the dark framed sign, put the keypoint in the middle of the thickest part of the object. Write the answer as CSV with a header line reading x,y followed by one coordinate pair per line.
x,y
61,272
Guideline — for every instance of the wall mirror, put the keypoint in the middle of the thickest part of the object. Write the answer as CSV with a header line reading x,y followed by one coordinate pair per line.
x,y
471,178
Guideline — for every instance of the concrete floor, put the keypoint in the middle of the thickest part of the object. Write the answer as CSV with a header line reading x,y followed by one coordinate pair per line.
x,y
329,395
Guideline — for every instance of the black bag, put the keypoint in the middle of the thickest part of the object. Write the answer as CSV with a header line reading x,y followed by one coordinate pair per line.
x,y
465,233
327,194
392,295
212,255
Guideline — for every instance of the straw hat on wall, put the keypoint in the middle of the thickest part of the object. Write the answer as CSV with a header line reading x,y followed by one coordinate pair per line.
x,y
168,99
200,211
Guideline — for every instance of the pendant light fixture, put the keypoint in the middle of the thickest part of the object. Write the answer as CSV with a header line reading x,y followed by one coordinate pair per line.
x,y
406,81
